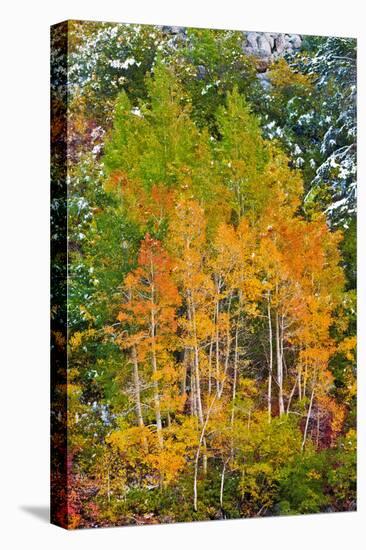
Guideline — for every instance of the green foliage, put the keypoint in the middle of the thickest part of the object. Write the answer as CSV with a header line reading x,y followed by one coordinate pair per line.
x,y
302,485
342,479
213,65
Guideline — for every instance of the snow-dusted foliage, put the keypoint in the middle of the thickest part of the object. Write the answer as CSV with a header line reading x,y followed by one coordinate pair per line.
x,y
310,108
334,69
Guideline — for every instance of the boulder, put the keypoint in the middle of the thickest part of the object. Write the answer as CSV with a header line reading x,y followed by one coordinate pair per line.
x,y
173,29
264,81
262,64
267,47
264,47
296,41
201,72
252,40
270,39
280,44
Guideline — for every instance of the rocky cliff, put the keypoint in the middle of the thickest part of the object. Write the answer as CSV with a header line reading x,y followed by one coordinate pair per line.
x,y
268,46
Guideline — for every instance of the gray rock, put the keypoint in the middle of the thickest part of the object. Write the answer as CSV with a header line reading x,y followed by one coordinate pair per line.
x,y
252,40
270,39
267,47
296,41
280,43
264,81
177,30
173,29
201,72
264,46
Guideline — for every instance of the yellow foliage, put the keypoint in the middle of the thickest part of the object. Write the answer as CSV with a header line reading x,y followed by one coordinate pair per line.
x,y
75,340
282,76
348,348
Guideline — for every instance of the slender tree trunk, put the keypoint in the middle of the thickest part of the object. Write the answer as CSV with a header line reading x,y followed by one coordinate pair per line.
x,y
198,395
299,384
235,377
318,428
305,380
284,367
159,426
217,350
307,419
136,380
270,338
193,396
222,483
279,368
201,441
198,385
196,361
210,368
197,367
228,349
204,457
184,374
291,395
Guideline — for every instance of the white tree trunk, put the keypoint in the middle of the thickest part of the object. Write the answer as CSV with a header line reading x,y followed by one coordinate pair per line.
x,y
279,367
307,420
222,483
201,441
159,426
270,338
136,380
